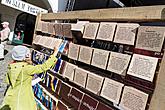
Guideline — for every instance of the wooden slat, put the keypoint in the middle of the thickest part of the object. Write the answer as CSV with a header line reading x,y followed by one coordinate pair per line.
x,y
145,13
38,19
158,99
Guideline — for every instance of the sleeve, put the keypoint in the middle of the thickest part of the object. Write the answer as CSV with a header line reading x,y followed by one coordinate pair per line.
x,y
30,69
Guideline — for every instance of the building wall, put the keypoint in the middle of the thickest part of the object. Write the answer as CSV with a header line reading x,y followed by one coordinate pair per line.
x,y
9,14
62,5
40,3
54,5
58,5
90,4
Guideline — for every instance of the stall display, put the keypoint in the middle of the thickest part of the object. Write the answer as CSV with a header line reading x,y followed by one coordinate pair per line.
x,y
101,65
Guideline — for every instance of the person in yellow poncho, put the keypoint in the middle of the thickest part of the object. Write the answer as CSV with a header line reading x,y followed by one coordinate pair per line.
x,y
19,95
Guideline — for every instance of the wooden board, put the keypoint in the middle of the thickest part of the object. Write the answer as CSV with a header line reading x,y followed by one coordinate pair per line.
x,y
45,27
51,29
90,31
100,58
79,26
106,31
85,54
158,98
144,13
80,77
150,38
67,30
73,51
125,33
58,29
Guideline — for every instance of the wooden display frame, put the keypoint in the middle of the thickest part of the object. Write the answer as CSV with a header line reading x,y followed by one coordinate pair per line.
x,y
133,14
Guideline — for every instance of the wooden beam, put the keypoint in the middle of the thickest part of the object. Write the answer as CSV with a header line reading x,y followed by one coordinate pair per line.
x,y
145,13
158,98
38,19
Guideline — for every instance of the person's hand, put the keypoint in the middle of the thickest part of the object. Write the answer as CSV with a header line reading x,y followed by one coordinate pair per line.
x,y
55,51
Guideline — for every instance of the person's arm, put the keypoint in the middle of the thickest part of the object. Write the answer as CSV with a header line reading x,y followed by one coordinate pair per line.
x,y
30,69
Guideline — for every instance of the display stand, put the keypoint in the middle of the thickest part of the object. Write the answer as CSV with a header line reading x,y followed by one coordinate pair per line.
x,y
74,88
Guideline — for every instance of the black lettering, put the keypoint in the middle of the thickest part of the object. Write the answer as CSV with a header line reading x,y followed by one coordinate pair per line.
x,y
8,1
23,5
28,8
15,3
18,4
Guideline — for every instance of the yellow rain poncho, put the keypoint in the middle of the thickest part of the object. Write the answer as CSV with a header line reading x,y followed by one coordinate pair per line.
x,y
20,95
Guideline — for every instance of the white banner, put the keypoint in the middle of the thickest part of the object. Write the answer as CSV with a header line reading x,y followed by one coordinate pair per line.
x,y
23,6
